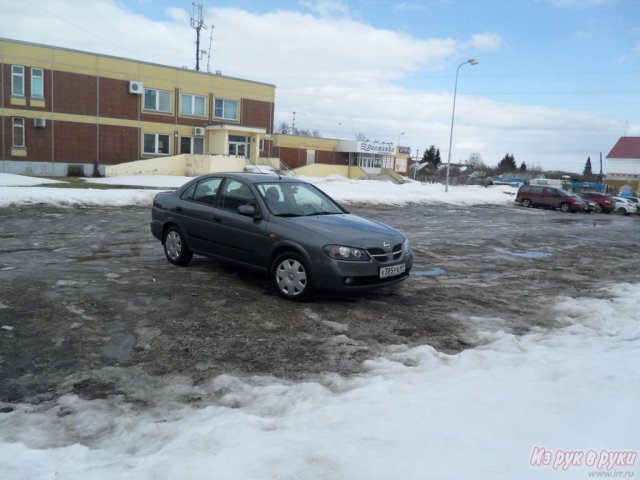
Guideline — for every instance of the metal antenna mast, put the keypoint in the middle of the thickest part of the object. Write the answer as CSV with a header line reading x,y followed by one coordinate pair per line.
x,y
197,23
209,52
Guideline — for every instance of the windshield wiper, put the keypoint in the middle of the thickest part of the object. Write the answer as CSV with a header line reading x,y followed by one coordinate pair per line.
x,y
288,214
321,213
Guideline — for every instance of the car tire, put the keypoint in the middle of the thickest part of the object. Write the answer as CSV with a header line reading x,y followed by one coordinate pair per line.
x,y
291,277
176,248
621,211
525,202
599,208
565,207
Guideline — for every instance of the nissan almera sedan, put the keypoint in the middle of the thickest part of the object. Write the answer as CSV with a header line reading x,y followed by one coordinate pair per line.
x,y
287,228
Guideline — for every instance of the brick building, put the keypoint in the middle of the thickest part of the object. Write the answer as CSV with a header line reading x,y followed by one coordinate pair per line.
x,y
69,112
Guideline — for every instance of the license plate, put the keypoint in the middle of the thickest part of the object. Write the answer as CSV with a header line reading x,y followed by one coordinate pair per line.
x,y
392,271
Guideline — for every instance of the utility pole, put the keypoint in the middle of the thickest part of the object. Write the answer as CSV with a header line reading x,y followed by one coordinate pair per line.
x,y
197,23
600,176
415,170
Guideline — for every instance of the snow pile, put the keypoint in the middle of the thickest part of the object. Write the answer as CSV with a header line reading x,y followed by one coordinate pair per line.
x,y
416,413
11,180
340,188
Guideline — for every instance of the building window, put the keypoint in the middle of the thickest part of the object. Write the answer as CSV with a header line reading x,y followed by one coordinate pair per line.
x,y
193,145
18,132
227,109
156,144
192,105
17,80
157,100
37,83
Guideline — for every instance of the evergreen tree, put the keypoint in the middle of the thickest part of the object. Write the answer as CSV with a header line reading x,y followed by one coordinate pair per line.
x,y
507,164
432,157
587,167
523,167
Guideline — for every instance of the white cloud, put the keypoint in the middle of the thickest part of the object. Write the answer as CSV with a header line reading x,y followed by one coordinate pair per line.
x,y
486,41
340,75
327,8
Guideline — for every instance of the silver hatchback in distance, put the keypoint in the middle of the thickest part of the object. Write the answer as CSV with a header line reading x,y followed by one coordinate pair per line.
x,y
287,228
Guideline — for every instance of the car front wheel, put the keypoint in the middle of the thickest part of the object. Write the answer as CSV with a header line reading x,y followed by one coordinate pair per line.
x,y
525,202
599,208
622,211
565,207
290,276
176,248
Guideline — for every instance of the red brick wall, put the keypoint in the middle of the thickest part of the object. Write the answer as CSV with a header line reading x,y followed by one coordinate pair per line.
x,y
118,144
38,140
74,93
116,101
291,157
75,142
254,113
336,158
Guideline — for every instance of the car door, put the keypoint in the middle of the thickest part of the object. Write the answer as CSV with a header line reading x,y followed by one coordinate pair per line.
x,y
239,237
197,213
550,197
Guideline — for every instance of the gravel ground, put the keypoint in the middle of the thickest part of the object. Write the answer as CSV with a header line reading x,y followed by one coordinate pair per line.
x,y
90,306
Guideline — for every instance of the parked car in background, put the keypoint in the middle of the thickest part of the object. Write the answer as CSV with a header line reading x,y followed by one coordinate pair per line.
x,y
281,226
549,197
590,206
604,203
635,200
625,206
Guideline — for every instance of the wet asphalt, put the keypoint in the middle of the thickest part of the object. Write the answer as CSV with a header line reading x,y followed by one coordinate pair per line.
x,y
90,306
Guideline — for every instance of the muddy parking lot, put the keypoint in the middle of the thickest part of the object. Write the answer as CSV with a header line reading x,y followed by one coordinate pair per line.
x,y
89,305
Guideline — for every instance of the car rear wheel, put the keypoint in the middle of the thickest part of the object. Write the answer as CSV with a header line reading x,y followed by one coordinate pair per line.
x,y
599,208
176,248
290,276
525,202
565,207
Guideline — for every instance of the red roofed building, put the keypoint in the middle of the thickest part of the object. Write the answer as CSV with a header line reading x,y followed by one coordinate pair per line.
x,y
623,167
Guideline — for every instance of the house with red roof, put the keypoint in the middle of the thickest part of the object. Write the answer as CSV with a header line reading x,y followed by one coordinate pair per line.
x,y
623,164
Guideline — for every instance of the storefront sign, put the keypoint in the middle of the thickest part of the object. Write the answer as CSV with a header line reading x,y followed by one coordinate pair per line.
x,y
405,150
379,148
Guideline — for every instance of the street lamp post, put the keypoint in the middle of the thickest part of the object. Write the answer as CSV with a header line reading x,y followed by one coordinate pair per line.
x,y
471,61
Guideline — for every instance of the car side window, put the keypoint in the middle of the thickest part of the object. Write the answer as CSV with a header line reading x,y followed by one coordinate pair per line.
x,y
206,190
235,194
188,193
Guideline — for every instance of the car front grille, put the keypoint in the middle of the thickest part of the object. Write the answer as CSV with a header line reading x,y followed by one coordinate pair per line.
x,y
382,256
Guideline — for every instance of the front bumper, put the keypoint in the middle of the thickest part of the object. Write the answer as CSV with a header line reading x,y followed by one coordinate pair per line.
x,y
337,275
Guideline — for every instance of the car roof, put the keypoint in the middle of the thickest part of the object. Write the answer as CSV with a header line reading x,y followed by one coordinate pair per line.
x,y
254,177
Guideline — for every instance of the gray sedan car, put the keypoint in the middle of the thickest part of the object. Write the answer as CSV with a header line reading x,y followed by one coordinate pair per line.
x,y
282,226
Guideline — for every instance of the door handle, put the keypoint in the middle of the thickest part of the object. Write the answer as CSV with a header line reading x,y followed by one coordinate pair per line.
x,y
178,209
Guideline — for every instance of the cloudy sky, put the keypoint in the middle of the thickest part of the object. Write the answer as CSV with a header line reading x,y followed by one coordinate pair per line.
x,y
558,80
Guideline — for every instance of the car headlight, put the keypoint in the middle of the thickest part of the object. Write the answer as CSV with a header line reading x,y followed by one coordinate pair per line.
x,y
341,252
406,247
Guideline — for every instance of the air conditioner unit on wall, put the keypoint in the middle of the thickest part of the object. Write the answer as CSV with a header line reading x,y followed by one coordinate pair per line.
x,y
40,122
198,131
136,87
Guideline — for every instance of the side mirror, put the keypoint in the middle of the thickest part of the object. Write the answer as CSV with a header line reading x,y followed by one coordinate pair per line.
x,y
248,211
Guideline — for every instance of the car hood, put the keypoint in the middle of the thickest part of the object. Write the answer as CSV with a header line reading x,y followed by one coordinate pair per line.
x,y
350,229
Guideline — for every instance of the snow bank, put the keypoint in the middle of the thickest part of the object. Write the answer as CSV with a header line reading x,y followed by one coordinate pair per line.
x,y
10,180
415,413
340,188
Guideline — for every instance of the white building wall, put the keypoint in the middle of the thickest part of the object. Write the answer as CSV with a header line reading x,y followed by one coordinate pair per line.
x,y
623,165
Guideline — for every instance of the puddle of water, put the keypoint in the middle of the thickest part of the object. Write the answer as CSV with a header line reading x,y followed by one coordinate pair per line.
x,y
434,272
534,255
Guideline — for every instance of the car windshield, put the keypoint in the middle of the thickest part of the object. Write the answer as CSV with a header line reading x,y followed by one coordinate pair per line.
x,y
297,199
